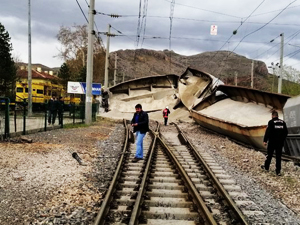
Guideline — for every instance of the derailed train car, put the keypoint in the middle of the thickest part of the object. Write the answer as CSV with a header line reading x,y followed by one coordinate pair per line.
x,y
237,112
291,113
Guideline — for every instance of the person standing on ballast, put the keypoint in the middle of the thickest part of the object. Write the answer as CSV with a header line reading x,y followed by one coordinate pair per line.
x,y
275,136
140,124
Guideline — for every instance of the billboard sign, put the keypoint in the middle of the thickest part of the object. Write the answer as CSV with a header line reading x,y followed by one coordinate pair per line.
x,y
80,88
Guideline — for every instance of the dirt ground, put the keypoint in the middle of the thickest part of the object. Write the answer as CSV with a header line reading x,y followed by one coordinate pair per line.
x,y
41,182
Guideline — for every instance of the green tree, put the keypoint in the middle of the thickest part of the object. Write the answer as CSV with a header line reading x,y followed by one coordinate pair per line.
x,y
8,71
65,74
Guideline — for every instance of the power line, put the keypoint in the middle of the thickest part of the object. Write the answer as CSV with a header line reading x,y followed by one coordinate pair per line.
x,y
234,32
263,25
193,7
98,38
253,33
82,11
274,11
199,20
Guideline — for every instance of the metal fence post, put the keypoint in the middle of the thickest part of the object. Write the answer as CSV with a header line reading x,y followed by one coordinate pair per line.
x,y
24,117
6,130
46,106
73,105
15,119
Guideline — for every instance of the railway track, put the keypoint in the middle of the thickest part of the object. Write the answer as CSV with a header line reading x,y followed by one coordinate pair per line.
x,y
174,184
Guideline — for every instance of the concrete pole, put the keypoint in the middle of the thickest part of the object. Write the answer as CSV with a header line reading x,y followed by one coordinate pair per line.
x,y
281,64
29,62
107,58
273,67
235,78
115,71
89,69
252,70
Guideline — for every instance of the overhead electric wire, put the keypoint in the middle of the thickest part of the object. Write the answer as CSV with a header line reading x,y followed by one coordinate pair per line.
x,y
206,10
274,11
99,39
82,11
233,34
199,20
288,39
263,25
221,68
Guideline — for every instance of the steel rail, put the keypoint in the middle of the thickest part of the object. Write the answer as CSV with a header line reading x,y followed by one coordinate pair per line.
x,y
196,198
237,212
139,201
100,219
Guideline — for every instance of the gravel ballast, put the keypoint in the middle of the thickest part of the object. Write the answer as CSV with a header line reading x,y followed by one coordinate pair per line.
x,y
278,197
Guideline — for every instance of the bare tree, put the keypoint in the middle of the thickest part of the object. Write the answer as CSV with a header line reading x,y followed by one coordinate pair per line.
x,y
74,51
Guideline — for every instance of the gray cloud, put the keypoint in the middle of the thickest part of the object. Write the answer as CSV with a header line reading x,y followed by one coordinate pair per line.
x,y
191,26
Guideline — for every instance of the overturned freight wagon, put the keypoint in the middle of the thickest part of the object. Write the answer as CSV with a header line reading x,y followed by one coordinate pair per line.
x,y
154,92
238,112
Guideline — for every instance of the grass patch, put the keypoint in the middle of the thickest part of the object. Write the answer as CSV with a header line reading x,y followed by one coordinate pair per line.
x,y
290,180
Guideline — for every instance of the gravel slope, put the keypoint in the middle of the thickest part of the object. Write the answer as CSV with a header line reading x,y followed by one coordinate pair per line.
x,y
278,197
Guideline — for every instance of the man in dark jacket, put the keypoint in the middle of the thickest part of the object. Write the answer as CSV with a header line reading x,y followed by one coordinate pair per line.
x,y
275,135
60,110
52,108
140,124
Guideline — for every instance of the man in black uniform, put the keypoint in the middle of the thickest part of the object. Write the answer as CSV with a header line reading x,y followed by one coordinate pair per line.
x,y
275,135
52,107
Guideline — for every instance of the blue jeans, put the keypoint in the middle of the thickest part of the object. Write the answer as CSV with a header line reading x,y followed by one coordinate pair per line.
x,y
139,145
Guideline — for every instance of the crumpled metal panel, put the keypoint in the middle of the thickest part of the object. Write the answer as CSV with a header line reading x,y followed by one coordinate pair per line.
x,y
194,85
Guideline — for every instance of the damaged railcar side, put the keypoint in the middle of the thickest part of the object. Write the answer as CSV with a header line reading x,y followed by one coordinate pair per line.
x,y
240,113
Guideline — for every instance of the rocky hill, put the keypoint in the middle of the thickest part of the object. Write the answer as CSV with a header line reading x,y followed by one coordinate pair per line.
x,y
222,64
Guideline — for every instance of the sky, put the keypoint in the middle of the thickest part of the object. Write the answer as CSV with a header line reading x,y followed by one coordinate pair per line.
x,y
184,28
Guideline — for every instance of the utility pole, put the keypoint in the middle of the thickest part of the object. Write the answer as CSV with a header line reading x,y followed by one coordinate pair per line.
x,y
89,69
29,62
107,57
235,78
115,70
252,69
273,68
281,64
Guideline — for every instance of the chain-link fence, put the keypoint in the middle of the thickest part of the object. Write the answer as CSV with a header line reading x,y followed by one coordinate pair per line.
x,y
14,119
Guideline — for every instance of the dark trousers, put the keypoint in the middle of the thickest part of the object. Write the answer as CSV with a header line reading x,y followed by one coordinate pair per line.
x,y
60,117
166,121
52,116
278,151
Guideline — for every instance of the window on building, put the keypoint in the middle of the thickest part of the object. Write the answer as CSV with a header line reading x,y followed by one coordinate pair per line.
x,y
19,89
26,90
39,91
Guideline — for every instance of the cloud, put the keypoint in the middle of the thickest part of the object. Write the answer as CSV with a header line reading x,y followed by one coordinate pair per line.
x,y
190,30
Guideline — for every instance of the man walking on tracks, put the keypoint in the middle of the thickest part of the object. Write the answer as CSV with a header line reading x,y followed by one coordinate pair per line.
x,y
275,135
140,124
166,113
